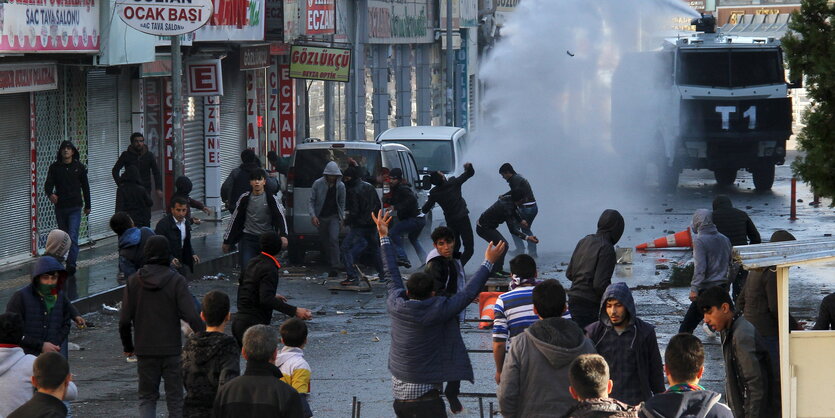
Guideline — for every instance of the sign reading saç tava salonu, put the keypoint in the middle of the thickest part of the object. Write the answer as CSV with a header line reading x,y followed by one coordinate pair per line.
x,y
400,21
165,17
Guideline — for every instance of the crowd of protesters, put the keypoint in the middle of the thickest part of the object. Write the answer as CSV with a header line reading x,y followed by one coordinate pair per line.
x,y
577,352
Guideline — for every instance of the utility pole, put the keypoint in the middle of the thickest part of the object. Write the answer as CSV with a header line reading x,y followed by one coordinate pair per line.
x,y
177,105
450,64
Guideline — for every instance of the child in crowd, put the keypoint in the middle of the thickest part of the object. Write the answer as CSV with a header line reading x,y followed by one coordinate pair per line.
x,y
131,244
210,358
290,360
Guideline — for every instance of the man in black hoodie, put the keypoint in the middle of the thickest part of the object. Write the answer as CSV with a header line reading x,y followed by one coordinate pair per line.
x,y
237,183
133,198
522,195
410,221
591,267
738,227
361,201
447,194
66,185
155,299
139,155
488,223
684,364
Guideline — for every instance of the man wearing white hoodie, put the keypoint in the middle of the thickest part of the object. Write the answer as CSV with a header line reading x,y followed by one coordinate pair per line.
x,y
16,367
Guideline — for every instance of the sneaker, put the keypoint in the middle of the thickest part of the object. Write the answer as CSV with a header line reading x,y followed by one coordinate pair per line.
x,y
349,282
131,359
404,263
708,332
455,405
500,274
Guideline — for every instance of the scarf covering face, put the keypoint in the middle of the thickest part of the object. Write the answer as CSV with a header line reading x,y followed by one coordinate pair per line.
x,y
50,295
516,281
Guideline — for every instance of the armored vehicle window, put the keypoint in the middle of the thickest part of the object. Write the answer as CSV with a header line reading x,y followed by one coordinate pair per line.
x,y
756,68
704,68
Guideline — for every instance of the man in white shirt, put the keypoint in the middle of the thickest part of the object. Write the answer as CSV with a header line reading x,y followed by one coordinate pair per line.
x,y
177,229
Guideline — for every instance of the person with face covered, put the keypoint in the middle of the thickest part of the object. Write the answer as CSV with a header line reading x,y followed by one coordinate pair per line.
x,y
132,197
140,156
629,346
487,227
591,267
447,194
712,258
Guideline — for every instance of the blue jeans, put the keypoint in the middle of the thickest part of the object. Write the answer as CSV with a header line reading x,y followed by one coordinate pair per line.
x,y
69,221
249,246
528,213
411,227
354,244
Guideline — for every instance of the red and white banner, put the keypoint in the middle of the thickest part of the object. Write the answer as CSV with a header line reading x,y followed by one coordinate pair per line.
x,y
49,26
287,112
211,133
25,77
320,17
272,106
33,166
252,136
168,134
234,20
204,78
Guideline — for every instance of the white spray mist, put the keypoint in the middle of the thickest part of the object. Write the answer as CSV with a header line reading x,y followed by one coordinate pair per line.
x,y
548,103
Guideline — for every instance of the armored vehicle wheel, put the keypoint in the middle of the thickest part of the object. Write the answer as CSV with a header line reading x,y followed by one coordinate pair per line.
x,y
725,176
763,177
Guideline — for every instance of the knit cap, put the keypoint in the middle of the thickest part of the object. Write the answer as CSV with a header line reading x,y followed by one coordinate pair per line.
x,y
58,244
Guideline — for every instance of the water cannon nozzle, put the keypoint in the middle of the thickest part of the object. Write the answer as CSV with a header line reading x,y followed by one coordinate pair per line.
x,y
706,23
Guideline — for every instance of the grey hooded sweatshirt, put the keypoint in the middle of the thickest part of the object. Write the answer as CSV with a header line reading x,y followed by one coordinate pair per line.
x,y
535,372
712,255
319,192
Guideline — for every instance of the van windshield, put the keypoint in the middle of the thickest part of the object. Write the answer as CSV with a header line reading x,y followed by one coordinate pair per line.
x,y
431,155
310,163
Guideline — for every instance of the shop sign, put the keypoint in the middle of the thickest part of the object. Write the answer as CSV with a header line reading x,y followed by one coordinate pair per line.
x,y
172,18
211,130
400,22
279,48
20,78
287,112
234,20
733,14
254,57
315,63
252,130
204,77
292,20
33,175
464,14
159,68
506,5
49,26
168,133
320,18
274,20
272,106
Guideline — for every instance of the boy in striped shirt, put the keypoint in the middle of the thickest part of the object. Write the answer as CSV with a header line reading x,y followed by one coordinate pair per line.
x,y
513,310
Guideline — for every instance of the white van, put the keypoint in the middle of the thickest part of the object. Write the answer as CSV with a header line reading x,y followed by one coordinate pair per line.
x,y
435,148
307,164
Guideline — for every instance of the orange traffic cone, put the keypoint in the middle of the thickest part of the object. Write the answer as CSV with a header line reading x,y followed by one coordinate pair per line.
x,y
486,300
679,239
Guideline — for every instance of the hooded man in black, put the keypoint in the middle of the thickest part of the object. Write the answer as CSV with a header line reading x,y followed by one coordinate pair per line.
x,y
155,299
133,198
183,187
237,183
361,201
139,155
447,194
488,223
591,267
738,227
66,185
522,195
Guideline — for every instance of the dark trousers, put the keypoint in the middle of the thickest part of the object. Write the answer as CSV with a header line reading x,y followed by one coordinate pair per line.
x,y
527,213
693,316
151,369
249,246
329,234
358,240
239,326
494,236
583,312
463,237
412,228
428,406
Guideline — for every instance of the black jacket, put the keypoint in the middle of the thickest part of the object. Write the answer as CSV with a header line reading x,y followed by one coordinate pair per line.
x,y
182,188
133,198
210,360
500,212
601,408
826,313
593,261
68,181
751,388
41,406
258,393
404,201
734,223
154,301
144,161
520,190
256,291
445,273
180,249
694,403
237,183
361,200
448,196
236,227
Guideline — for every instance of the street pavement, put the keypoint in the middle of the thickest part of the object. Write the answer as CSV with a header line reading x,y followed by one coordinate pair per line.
x,y
348,341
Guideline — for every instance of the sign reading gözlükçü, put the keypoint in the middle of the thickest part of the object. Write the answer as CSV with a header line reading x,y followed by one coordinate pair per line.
x,y
316,63
165,17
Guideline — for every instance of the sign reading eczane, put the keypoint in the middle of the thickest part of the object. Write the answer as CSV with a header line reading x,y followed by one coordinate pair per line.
x,y
165,17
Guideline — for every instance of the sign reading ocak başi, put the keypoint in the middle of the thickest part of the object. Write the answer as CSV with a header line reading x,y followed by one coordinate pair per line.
x,y
316,63
165,17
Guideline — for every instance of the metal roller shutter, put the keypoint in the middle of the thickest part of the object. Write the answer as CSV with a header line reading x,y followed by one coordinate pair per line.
x,y
14,189
194,146
103,148
232,120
